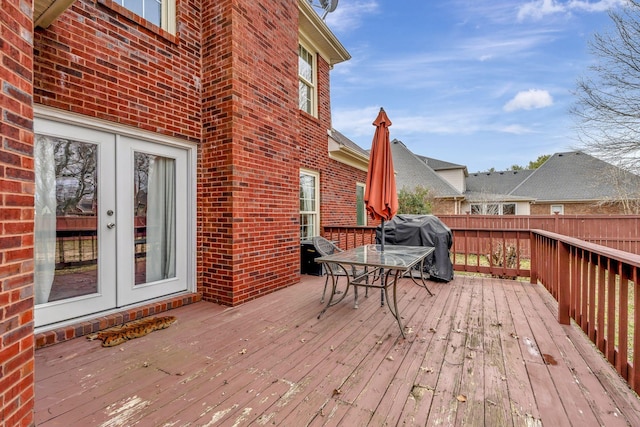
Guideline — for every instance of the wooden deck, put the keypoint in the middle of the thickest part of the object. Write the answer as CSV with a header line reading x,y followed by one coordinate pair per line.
x,y
481,352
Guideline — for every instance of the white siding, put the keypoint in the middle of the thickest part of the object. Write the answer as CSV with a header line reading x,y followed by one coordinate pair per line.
x,y
455,177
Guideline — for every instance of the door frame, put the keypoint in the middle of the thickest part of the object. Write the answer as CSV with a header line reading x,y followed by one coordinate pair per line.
x,y
73,119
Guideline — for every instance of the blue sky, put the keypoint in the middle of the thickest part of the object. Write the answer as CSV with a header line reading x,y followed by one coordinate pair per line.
x,y
482,83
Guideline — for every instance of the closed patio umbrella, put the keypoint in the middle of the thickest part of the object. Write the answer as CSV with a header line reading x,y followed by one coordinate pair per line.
x,y
380,196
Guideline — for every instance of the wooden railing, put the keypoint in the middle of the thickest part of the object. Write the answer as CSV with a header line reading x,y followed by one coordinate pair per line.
x,y
503,253
594,285
597,287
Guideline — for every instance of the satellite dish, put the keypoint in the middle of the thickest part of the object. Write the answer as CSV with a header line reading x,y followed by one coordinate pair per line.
x,y
327,5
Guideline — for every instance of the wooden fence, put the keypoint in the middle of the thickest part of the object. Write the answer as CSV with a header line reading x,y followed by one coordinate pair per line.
x,y
615,231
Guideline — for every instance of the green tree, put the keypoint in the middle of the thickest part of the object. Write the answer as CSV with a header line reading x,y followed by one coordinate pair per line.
x,y
418,201
539,161
533,164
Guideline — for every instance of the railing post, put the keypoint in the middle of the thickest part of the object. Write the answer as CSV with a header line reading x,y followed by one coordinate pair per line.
x,y
533,256
563,285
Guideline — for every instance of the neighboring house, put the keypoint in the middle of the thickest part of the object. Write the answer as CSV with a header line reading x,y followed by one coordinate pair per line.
x,y
488,193
577,183
569,183
193,146
413,171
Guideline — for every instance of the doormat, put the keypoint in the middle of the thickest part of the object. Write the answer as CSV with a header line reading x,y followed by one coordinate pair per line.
x,y
128,331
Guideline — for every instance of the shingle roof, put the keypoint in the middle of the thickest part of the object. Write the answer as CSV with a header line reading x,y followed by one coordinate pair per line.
x,y
481,196
576,176
438,165
412,172
496,182
571,176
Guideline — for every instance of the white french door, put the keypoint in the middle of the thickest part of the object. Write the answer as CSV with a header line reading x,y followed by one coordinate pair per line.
x,y
152,221
112,224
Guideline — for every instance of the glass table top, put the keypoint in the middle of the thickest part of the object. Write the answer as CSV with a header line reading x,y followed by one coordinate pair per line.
x,y
393,257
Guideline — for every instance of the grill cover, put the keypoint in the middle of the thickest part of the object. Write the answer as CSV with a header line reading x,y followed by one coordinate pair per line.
x,y
422,230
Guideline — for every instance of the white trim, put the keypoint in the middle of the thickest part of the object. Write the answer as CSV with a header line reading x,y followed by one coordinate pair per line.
x,y
316,175
43,112
169,17
313,84
346,155
312,27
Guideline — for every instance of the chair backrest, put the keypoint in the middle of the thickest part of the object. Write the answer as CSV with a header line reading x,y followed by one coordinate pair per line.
x,y
324,246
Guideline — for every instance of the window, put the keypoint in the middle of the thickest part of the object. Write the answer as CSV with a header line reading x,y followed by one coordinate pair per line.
x,y
476,209
557,209
159,12
509,209
361,212
309,205
493,209
306,86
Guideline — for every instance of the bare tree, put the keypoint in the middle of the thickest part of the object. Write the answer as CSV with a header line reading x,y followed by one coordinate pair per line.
x,y
76,177
608,98
625,192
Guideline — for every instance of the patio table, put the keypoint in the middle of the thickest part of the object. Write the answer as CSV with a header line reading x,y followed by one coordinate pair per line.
x,y
382,270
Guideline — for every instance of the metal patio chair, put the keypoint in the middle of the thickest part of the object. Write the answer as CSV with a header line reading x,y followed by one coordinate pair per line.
x,y
326,247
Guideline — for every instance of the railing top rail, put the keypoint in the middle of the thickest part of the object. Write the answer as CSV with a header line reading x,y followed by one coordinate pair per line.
x,y
626,257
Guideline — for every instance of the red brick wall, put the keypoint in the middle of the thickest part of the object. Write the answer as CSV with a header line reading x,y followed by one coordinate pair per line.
x,y
248,181
579,209
230,85
443,207
16,211
94,61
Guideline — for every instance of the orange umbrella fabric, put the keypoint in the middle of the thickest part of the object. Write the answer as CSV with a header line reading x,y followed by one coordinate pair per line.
x,y
380,197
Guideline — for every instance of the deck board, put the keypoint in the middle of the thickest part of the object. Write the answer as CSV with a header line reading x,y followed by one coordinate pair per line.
x,y
272,362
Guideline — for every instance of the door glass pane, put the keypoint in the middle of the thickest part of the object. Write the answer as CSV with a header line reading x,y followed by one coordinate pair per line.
x,y
154,213
66,234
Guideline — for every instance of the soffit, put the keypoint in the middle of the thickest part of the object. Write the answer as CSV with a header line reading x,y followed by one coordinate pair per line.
x,y
347,156
46,11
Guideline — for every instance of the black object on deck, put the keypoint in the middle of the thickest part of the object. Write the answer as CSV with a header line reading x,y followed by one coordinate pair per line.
x,y
422,230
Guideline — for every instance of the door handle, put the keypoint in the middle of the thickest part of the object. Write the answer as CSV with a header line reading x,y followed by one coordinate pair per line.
x,y
110,225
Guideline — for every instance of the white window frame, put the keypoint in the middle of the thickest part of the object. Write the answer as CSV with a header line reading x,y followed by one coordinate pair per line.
x,y
313,213
312,108
490,208
361,213
515,208
167,14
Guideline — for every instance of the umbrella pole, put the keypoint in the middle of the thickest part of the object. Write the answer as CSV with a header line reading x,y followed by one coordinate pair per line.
x,y
382,291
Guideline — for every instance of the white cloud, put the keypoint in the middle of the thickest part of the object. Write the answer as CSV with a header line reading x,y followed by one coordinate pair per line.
x,y
350,15
596,6
538,9
516,129
529,100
